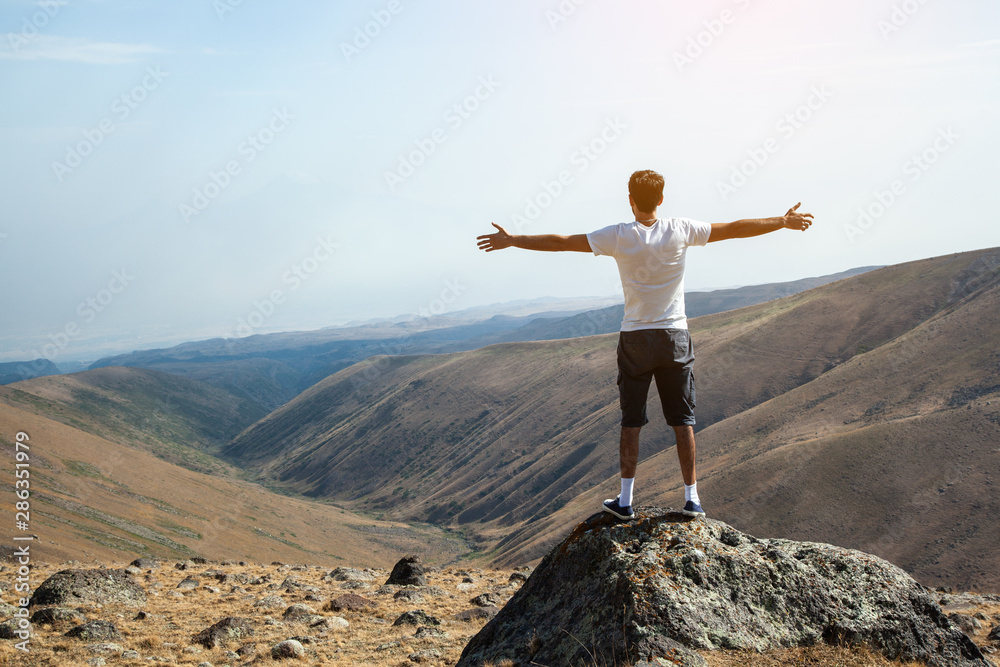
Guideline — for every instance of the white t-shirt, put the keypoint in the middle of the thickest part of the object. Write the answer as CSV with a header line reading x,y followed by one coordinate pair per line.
x,y
651,264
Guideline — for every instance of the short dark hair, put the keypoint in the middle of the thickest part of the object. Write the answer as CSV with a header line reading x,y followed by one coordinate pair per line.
x,y
646,189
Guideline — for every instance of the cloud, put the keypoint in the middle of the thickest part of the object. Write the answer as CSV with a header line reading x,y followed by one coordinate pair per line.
x,y
73,49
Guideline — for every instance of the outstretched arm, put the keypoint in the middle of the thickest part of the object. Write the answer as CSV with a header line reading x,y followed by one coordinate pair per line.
x,y
546,242
744,229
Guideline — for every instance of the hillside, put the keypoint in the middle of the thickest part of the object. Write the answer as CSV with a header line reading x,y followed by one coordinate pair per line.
x,y
97,500
503,437
182,421
894,452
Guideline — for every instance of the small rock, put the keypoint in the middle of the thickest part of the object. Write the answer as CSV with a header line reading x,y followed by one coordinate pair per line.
x,y
355,586
146,563
226,630
297,611
994,635
518,577
97,661
10,628
409,595
270,602
57,617
188,583
329,623
350,602
486,600
349,574
99,630
130,655
425,655
477,613
290,648
388,646
416,617
425,632
147,616
106,648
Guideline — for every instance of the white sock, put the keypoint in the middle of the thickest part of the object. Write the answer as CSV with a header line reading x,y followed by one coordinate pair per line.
x,y
691,493
626,498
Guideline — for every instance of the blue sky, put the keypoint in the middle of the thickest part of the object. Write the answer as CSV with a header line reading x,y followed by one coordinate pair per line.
x,y
170,169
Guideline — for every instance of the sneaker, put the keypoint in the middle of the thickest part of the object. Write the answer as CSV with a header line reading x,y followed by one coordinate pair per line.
x,y
612,506
691,508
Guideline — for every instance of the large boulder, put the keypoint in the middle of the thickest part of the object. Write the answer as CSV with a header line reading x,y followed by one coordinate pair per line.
x,y
409,571
660,588
68,588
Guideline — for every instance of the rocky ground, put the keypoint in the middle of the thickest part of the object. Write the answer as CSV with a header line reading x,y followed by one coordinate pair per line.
x,y
334,617
318,616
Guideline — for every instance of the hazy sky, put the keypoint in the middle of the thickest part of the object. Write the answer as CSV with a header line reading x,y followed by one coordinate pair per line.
x,y
171,168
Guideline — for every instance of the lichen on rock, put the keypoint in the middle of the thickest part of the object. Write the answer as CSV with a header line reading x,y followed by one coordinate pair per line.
x,y
665,586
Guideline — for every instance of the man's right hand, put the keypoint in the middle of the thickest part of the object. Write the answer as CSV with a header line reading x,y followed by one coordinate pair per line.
x,y
498,241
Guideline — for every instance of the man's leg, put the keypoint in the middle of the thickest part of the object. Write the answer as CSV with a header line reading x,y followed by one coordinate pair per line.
x,y
685,453
628,456
634,376
675,384
628,451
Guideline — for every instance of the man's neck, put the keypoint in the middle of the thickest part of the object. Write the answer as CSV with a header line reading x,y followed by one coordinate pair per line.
x,y
646,219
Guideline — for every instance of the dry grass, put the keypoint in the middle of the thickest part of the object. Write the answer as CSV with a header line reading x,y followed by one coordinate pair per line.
x,y
370,641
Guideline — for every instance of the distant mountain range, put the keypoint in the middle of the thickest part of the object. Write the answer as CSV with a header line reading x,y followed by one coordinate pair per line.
x,y
16,371
271,369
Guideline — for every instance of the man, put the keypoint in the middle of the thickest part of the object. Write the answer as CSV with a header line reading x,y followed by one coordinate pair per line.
x,y
654,339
